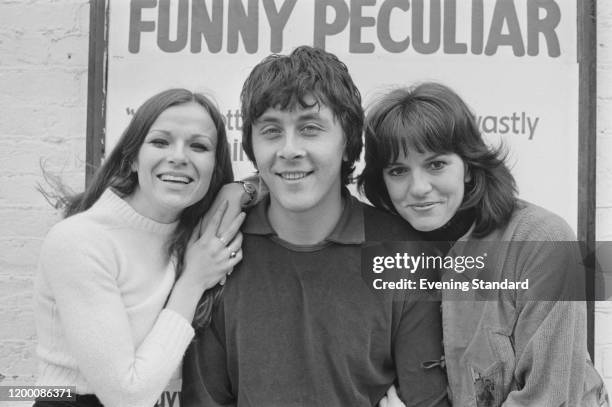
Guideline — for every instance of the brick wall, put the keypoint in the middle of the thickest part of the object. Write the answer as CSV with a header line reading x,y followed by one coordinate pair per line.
x,y
43,101
43,82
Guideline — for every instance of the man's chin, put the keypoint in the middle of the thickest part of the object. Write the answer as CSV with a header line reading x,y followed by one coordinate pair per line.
x,y
297,203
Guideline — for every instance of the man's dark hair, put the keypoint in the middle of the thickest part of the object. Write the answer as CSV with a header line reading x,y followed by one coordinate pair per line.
x,y
286,82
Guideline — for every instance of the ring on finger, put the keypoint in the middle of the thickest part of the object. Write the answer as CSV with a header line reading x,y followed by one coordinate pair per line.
x,y
232,255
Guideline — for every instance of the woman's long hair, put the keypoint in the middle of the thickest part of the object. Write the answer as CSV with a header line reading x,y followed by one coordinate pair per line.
x,y
116,173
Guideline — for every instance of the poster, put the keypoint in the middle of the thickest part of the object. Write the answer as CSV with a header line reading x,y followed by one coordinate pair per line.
x,y
513,61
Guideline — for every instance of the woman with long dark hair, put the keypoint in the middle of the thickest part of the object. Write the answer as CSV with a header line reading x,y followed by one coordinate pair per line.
x,y
120,278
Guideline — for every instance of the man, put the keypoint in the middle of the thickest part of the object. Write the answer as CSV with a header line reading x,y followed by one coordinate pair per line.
x,y
298,325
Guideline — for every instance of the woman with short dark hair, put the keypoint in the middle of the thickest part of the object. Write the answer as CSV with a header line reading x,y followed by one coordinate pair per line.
x,y
426,161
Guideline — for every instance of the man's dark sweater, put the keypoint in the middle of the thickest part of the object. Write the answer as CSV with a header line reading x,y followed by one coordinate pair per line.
x,y
299,326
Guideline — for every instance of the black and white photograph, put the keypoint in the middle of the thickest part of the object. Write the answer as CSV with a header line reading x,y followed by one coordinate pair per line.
x,y
281,203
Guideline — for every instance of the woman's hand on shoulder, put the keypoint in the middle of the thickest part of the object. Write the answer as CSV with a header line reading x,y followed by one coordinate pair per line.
x,y
391,399
213,253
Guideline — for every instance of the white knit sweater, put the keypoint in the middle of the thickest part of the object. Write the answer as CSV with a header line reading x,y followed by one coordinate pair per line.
x,y
103,278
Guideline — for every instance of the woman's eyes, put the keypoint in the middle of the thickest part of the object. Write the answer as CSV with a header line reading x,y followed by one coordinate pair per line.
x,y
437,164
195,146
396,171
159,142
199,147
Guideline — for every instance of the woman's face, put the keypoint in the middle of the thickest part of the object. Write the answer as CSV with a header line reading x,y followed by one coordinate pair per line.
x,y
175,163
426,189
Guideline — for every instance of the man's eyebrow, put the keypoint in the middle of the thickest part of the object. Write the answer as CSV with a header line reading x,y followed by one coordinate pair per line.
x,y
310,116
264,118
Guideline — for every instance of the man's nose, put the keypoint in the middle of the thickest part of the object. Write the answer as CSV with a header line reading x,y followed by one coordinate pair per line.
x,y
292,147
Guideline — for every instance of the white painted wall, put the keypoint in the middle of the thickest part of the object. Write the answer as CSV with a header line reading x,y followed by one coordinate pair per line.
x,y
43,102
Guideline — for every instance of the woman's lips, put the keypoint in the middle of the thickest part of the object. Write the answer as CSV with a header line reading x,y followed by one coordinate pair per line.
x,y
424,206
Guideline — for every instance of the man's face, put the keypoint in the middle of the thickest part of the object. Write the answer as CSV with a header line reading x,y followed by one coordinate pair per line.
x,y
299,154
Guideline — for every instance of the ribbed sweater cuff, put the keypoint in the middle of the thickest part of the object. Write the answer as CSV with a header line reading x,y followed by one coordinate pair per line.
x,y
173,333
